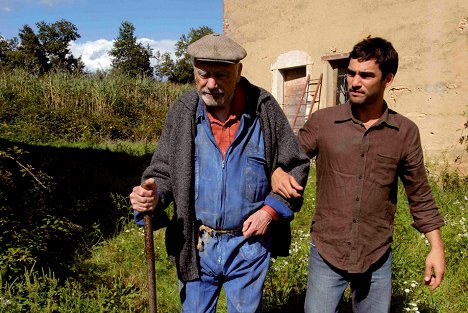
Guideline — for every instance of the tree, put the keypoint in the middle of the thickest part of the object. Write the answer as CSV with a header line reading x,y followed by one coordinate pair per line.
x,y
180,70
164,65
30,53
6,46
55,39
129,56
42,52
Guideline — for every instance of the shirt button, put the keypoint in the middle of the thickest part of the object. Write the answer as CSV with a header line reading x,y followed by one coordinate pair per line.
x,y
362,155
360,177
349,243
357,198
354,220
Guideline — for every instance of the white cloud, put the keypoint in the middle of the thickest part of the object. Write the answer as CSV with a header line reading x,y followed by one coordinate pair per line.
x,y
9,6
51,3
95,54
164,45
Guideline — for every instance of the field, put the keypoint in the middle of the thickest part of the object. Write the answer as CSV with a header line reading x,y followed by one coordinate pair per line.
x,y
71,148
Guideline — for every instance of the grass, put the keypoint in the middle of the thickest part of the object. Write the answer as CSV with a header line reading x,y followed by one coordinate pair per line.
x,y
62,108
113,278
88,139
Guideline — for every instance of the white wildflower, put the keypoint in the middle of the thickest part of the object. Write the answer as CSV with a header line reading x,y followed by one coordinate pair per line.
x,y
5,301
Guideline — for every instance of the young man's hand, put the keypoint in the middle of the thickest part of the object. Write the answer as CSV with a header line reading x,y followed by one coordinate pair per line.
x,y
285,185
435,260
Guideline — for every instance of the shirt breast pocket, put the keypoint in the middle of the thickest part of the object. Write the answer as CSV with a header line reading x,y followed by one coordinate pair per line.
x,y
383,170
256,182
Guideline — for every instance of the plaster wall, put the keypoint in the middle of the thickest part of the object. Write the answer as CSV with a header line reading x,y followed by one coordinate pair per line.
x,y
431,37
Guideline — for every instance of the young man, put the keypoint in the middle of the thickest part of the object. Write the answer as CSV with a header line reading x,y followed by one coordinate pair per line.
x,y
214,160
361,149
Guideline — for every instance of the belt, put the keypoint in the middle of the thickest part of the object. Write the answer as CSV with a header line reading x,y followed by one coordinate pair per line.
x,y
211,232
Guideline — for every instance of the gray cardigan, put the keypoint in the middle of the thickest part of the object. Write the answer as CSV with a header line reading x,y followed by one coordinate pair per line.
x,y
172,167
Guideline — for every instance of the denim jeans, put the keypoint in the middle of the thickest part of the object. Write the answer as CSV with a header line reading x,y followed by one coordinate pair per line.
x,y
238,264
326,284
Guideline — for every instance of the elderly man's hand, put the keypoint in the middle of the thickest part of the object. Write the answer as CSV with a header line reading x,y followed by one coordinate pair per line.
x,y
256,224
144,198
284,184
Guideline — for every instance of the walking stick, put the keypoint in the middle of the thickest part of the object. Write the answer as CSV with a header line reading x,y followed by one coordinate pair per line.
x,y
149,251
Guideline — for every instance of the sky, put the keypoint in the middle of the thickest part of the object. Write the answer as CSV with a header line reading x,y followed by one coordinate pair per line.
x,y
160,23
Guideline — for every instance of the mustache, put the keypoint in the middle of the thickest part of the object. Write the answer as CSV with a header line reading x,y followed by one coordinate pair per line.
x,y
358,90
217,91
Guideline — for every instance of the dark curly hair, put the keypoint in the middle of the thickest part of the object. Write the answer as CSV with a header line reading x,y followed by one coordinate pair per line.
x,y
377,49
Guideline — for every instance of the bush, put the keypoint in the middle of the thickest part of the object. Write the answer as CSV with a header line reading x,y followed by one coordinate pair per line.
x,y
35,230
64,107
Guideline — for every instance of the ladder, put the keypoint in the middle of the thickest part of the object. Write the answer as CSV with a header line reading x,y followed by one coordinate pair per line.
x,y
310,96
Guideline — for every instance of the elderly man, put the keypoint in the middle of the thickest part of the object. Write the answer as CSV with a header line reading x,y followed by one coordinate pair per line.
x,y
214,160
361,149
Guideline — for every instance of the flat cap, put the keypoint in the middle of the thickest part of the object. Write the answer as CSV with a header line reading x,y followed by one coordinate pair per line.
x,y
216,48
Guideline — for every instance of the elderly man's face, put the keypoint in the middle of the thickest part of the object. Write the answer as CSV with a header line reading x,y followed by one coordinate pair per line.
x,y
216,81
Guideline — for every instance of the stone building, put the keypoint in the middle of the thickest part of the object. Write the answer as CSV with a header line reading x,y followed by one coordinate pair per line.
x,y
292,44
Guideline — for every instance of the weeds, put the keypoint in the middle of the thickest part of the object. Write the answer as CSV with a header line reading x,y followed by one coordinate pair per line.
x,y
75,108
70,247
113,278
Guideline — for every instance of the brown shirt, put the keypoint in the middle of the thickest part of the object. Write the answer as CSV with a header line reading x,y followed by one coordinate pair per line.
x,y
357,183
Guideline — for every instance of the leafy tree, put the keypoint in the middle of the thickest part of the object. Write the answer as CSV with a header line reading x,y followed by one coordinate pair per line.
x,y
42,52
129,56
180,70
9,55
6,47
55,39
164,65
30,53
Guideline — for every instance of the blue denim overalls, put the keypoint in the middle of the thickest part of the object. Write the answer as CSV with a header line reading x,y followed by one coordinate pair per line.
x,y
227,192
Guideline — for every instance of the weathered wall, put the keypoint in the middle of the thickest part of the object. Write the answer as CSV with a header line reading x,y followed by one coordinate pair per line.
x,y
431,37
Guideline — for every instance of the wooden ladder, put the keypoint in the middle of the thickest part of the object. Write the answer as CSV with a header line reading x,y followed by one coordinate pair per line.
x,y
308,100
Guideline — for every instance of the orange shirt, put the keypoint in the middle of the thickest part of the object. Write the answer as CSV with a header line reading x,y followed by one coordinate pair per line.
x,y
224,133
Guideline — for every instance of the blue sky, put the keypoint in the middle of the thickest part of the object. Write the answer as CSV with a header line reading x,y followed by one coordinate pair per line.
x,y
160,23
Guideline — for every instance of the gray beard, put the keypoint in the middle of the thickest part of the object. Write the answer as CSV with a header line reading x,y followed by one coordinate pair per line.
x,y
212,103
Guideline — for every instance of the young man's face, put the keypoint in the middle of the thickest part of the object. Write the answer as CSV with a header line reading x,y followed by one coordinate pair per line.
x,y
216,82
365,84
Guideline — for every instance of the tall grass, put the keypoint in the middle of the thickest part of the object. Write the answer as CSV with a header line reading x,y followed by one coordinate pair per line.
x,y
114,277
62,107
71,247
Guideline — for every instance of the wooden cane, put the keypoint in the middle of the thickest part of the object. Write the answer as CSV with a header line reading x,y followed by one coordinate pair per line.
x,y
149,251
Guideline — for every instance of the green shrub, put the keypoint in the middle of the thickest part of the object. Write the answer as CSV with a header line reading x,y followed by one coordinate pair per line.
x,y
34,230
64,107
